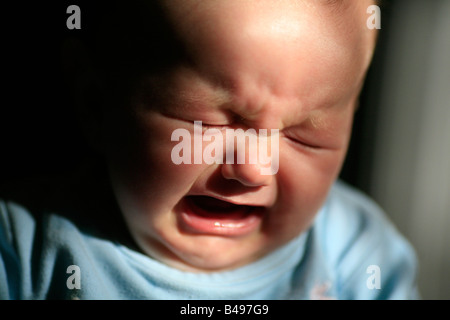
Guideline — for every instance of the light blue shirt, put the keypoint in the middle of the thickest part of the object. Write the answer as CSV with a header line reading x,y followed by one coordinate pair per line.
x,y
351,251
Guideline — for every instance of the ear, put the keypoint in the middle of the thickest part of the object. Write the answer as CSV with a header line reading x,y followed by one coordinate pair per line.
x,y
86,89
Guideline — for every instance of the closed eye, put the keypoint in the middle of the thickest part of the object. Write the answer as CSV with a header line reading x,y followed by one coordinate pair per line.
x,y
304,145
209,126
214,125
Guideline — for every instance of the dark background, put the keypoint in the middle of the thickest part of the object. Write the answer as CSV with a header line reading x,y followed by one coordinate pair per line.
x,y
39,133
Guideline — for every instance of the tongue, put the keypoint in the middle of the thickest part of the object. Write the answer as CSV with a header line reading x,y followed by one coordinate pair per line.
x,y
208,206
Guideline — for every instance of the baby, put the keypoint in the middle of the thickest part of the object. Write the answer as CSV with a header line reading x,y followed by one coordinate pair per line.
x,y
169,79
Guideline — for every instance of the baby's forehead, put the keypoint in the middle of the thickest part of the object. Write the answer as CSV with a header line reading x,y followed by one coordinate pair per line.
x,y
158,20
287,47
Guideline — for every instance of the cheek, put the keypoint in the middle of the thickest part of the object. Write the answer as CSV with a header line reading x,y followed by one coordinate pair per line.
x,y
311,175
304,181
140,164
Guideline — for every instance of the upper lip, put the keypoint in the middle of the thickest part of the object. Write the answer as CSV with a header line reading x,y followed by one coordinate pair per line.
x,y
233,199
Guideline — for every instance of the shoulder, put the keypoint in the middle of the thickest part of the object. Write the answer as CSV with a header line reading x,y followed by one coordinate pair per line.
x,y
15,222
349,212
349,215
43,232
31,243
38,251
23,226
17,231
357,237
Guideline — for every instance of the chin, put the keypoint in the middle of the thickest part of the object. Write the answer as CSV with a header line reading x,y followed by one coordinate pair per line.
x,y
213,254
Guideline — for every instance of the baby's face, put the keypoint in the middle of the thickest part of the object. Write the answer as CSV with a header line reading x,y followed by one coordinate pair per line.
x,y
295,66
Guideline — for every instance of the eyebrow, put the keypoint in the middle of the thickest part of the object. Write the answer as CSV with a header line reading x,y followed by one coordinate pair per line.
x,y
334,4
340,2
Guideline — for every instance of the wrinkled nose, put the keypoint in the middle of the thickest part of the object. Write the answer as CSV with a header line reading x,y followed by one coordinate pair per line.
x,y
251,164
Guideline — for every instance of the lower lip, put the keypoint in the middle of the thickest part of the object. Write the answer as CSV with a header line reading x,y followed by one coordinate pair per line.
x,y
240,222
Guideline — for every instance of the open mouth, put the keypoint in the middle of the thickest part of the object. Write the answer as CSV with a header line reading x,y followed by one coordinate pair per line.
x,y
208,215
209,206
